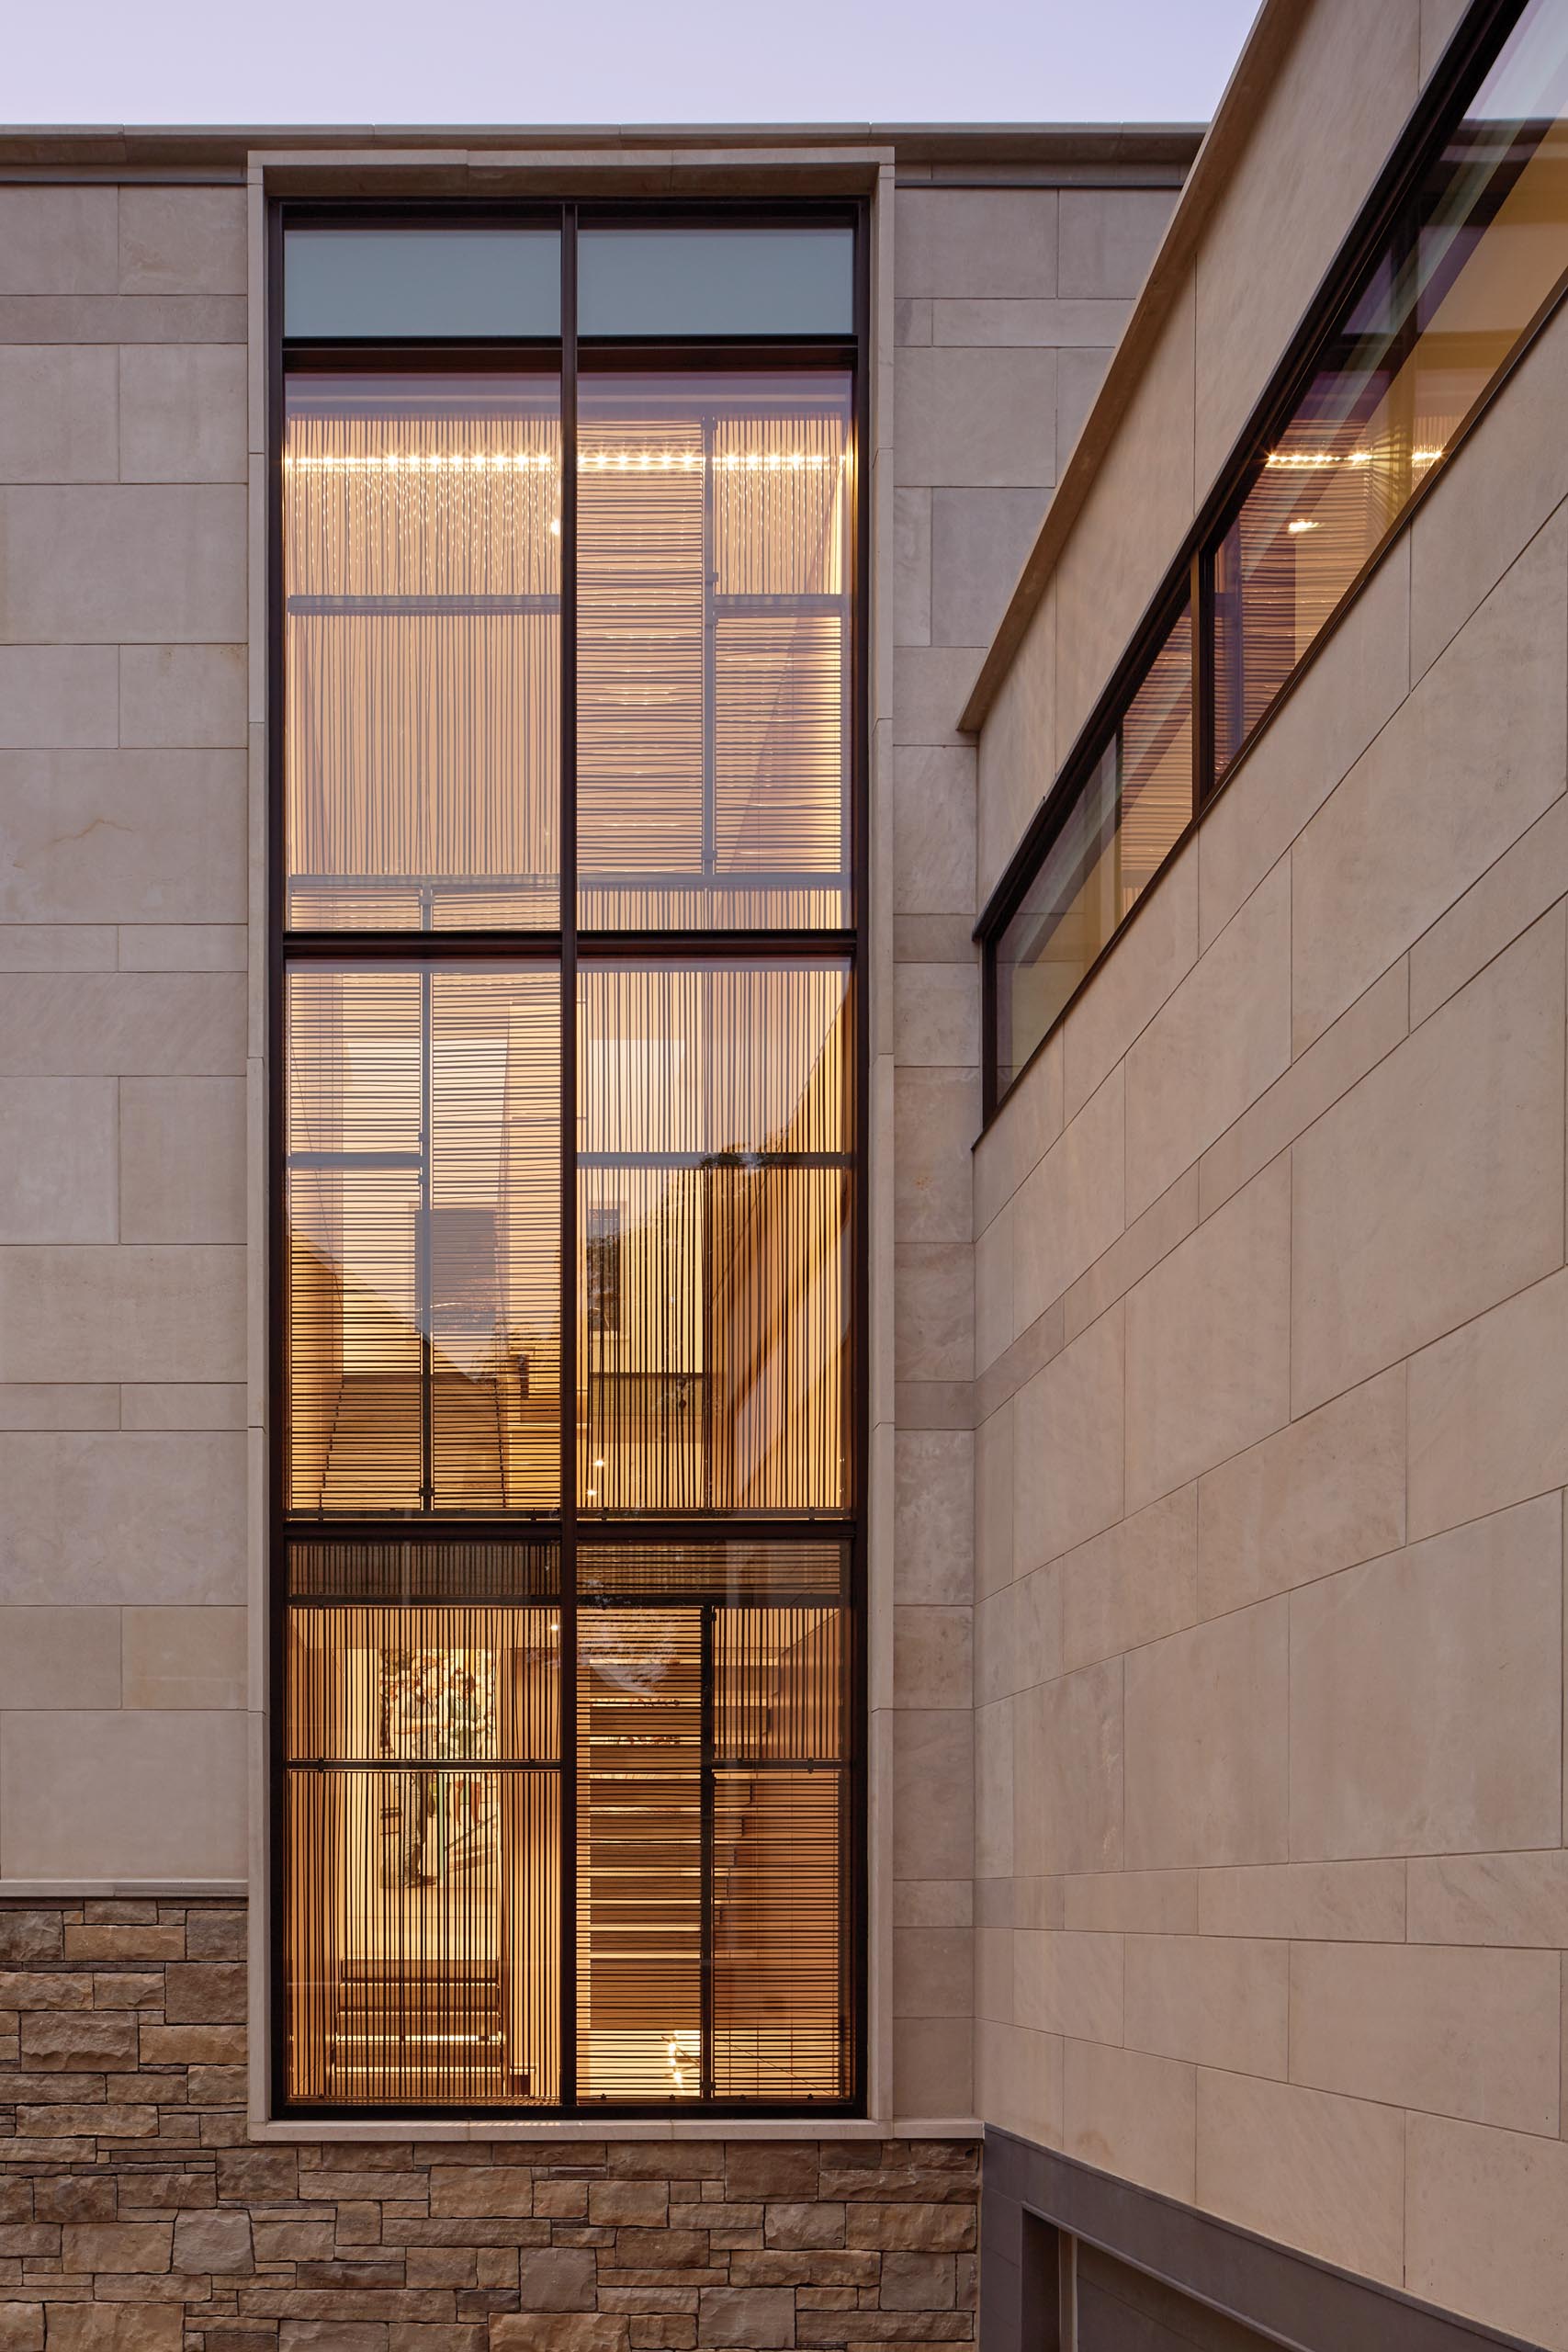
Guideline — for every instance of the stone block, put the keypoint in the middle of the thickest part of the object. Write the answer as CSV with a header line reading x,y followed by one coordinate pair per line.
x,y
1209,1335
983,418
183,696
184,1658
992,242
123,563
1324,1902
1067,1774
59,1657
917,2282
557,2279
1425,1696
1218,1042
1489,1410
933,1515
1207,1758
1487,2228
183,412
799,2228
1069,1984
980,541
1320,2173
69,1312
56,412
108,1518
94,1022
1434,1188
182,1159
1067,1446
77,2041
932,1792
58,240
751,2316
213,2242
560,2332
642,2203
1321,1494
1218,2000
148,1794
57,696
207,1992
118,2327
1126,2112
21,2327
124,836
755,2170
933,829
1470,2034
934,1296
182,241
936,1119
1109,237
57,1160
116,2245
1071,1209
332,2336
1460,772
1134,1584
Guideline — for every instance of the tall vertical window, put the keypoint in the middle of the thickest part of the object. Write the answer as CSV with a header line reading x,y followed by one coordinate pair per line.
x,y
567,1211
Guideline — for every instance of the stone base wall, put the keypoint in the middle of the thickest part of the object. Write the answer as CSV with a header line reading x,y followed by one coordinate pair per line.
x,y
137,2216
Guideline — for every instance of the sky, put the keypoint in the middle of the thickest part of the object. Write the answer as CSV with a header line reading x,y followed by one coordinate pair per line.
x,y
481,61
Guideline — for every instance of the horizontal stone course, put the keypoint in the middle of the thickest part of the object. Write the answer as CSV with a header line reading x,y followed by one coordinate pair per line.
x,y
135,2216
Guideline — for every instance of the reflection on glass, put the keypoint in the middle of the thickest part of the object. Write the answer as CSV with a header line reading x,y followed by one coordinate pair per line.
x,y
422,612
716,280
347,285
423,1861
424,1346
714,651
1120,827
714,1163
1469,263
719,1861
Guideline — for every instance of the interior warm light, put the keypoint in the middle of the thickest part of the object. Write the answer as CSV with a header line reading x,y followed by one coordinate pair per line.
x,y
1298,524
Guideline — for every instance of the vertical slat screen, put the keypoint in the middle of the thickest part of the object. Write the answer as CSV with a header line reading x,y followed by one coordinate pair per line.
x,y
421,558
640,1894
716,1146
714,651
422,1854
424,1346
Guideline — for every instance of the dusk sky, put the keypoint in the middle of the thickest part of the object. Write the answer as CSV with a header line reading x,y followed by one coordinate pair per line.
x,y
621,61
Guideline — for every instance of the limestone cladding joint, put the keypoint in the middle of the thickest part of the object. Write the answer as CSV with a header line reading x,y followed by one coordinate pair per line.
x,y
136,2216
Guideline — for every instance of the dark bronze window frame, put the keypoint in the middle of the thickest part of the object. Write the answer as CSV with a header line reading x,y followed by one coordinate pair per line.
x,y
567,949
1464,64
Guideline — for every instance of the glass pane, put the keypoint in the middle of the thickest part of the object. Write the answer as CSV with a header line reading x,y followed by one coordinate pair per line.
x,y
1475,253
422,1854
715,1188
352,285
421,615
714,655
424,1344
716,281
1122,825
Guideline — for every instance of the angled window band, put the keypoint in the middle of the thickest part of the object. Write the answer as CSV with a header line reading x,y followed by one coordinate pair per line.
x,y
1457,261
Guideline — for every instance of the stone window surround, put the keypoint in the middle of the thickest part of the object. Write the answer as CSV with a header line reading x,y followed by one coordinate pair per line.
x,y
359,173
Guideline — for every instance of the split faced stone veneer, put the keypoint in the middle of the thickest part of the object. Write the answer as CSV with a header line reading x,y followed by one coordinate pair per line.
x,y
136,2216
